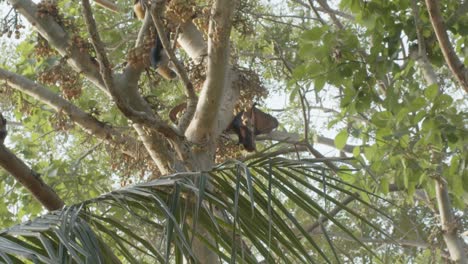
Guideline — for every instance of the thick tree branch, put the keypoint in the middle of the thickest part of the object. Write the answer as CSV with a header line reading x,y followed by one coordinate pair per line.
x,y
449,223
452,60
86,121
27,177
203,124
30,179
192,42
60,40
143,30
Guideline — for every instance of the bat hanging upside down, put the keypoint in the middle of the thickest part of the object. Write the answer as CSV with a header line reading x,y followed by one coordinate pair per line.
x,y
158,57
248,124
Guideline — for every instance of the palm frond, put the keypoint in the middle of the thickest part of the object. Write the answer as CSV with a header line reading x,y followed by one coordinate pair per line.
x,y
254,211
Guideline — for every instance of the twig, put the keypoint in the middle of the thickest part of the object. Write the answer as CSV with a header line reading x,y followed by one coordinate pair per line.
x,y
329,11
311,228
316,13
321,9
75,165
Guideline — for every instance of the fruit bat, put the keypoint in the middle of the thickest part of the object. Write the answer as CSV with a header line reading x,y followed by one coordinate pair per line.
x,y
245,124
263,123
244,133
251,123
158,58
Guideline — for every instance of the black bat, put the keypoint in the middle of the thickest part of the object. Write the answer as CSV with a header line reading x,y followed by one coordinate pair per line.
x,y
251,123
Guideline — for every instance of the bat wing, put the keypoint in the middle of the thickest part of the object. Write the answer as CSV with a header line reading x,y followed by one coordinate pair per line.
x,y
263,123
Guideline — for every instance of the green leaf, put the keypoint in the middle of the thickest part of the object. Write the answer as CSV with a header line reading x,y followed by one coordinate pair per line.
x,y
294,93
314,34
356,151
443,101
384,185
341,139
417,104
382,119
432,91
319,83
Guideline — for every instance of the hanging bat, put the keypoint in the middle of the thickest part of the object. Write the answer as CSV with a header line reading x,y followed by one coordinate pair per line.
x,y
251,123
244,133
263,123
158,58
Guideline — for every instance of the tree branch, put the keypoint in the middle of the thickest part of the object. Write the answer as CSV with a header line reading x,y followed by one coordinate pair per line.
x,y
312,227
449,223
452,60
60,40
201,128
30,179
426,67
105,69
108,5
276,153
151,140
104,64
330,12
191,40
294,138
447,219
86,121
400,242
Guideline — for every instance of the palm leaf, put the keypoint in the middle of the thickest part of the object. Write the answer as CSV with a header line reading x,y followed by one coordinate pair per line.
x,y
255,211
